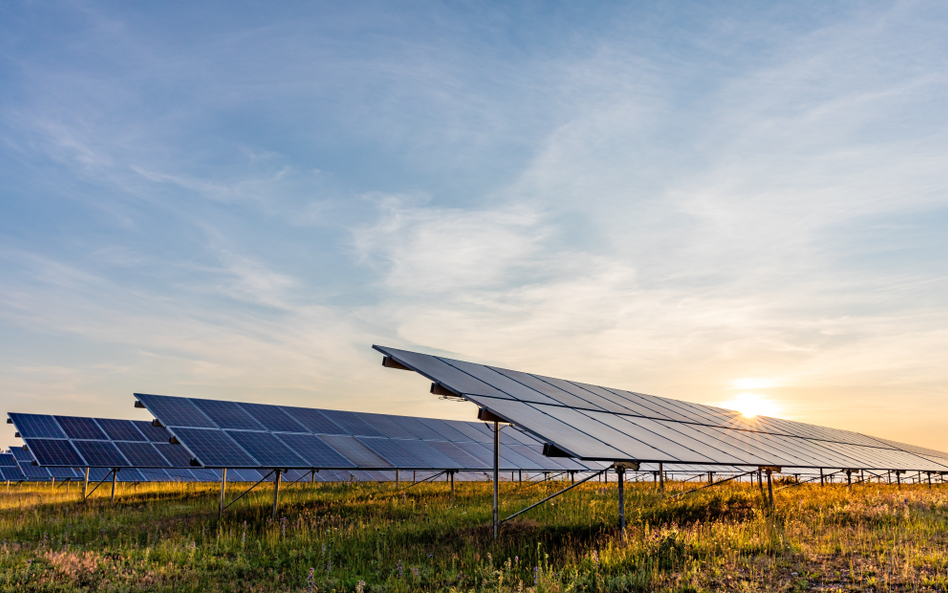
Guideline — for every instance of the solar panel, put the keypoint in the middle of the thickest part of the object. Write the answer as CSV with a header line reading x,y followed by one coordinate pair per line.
x,y
122,430
391,426
175,411
55,452
177,455
266,449
592,422
352,423
81,428
153,433
142,455
98,453
36,426
315,452
354,451
227,414
393,452
214,448
314,421
273,418
7,460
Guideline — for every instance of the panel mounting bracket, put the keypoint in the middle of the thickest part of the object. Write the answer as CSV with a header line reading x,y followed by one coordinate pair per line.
x,y
440,389
486,415
626,465
391,363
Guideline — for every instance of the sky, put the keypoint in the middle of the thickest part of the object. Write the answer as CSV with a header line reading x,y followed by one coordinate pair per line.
x,y
715,202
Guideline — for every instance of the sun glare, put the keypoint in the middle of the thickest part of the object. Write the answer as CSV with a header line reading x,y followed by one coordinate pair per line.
x,y
752,404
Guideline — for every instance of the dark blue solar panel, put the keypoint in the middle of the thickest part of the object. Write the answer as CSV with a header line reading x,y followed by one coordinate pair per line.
x,y
425,428
314,421
129,475
175,411
473,431
21,454
206,475
121,430
479,452
214,448
54,452
393,452
97,474
176,455
34,472
266,449
429,456
11,473
142,455
100,454
459,455
62,473
153,433
390,426
7,460
227,414
352,423
81,428
273,418
355,451
316,453
443,430
36,426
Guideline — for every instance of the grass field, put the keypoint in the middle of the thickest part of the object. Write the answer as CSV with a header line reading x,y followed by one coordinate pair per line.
x,y
368,537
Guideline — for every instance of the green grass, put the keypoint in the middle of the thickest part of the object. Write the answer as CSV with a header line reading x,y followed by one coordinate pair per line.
x,y
368,537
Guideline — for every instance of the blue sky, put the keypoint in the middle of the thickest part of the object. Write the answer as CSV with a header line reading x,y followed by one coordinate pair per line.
x,y
693,200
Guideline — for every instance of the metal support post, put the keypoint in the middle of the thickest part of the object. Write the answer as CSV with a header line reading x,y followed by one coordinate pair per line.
x,y
661,478
114,472
929,480
220,507
572,478
770,488
822,479
620,473
496,479
760,480
520,475
849,478
452,486
85,485
710,477
396,478
312,478
276,491
898,479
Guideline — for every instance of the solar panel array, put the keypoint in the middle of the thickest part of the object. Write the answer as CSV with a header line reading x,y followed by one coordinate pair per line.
x,y
71,442
592,422
242,435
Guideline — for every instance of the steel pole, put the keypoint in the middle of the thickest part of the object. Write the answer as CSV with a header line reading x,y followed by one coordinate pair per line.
x,y
276,491
85,485
822,479
661,477
770,488
496,479
620,473
114,472
220,507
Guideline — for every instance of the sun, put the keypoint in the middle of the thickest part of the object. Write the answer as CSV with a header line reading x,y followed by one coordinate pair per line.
x,y
752,404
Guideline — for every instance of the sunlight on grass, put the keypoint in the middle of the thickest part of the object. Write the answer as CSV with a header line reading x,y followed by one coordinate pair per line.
x,y
368,537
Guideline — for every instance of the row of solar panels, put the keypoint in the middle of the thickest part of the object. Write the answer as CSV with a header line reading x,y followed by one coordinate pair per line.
x,y
591,422
227,434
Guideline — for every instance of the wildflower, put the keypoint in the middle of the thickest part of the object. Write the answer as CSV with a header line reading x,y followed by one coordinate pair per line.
x,y
360,587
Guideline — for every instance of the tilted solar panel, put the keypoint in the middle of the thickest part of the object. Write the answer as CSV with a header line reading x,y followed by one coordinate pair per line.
x,y
81,428
592,422
37,426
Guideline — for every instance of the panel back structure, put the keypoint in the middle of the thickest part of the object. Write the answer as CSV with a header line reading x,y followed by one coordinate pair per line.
x,y
242,435
592,422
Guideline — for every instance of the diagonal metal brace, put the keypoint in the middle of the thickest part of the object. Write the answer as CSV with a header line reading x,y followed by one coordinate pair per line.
x,y
554,495
247,491
807,481
428,479
715,483
99,484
